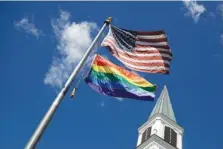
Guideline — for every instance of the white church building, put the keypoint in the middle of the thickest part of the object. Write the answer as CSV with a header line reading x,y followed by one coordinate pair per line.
x,y
161,130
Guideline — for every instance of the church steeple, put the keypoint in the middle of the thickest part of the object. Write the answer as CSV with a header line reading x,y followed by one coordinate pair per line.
x,y
164,106
161,130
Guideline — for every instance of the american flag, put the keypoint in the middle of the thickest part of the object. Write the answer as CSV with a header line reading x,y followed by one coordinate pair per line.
x,y
140,51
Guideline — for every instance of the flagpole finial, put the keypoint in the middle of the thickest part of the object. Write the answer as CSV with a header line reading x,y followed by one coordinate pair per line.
x,y
108,20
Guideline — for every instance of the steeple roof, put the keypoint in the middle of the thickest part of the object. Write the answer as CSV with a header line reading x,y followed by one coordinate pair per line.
x,y
163,105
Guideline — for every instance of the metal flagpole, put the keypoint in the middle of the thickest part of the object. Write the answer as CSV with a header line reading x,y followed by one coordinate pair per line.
x,y
48,116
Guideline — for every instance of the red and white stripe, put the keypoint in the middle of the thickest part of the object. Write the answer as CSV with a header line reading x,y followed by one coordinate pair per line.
x,y
151,54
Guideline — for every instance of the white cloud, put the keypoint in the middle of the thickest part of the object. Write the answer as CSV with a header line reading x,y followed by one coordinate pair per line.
x,y
221,38
73,40
102,104
28,27
195,10
211,14
119,98
220,8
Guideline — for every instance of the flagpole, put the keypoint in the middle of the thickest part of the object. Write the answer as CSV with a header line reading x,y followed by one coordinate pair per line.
x,y
51,111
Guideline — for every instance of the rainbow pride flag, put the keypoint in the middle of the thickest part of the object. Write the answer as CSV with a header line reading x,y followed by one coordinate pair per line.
x,y
112,80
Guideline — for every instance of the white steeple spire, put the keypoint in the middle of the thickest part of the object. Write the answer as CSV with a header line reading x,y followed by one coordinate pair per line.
x,y
164,106
161,130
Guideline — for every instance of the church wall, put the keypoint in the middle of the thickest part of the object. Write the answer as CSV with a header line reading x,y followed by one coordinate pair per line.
x,y
157,128
139,139
154,146
179,141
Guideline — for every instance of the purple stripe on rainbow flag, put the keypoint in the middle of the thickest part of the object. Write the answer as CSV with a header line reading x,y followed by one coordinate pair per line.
x,y
118,93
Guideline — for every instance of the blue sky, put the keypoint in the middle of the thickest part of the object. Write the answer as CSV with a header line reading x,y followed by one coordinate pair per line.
x,y
41,42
